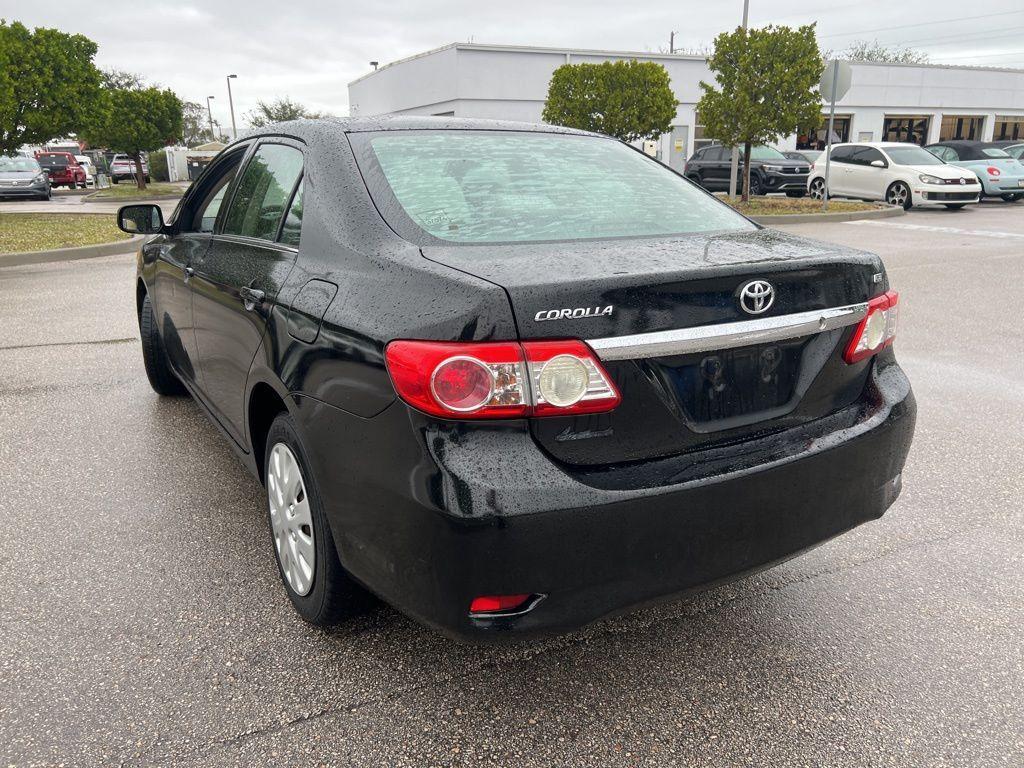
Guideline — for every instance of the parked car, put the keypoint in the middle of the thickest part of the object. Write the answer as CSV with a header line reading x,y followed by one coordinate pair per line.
x,y
22,176
513,378
90,170
899,173
770,171
62,168
1001,175
122,168
806,155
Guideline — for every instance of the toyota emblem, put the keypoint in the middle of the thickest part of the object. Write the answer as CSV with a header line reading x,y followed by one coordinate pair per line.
x,y
756,297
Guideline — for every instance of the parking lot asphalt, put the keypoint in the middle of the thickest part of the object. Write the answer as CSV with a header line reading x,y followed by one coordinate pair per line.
x,y
142,622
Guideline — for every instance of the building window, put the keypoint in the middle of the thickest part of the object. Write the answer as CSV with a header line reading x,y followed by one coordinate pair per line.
x,y
817,138
961,127
1009,128
909,128
699,139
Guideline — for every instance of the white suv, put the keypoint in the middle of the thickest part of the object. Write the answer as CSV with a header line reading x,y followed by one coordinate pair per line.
x,y
900,174
123,167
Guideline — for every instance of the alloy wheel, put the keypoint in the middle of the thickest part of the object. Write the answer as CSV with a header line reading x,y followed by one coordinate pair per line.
x,y
817,189
291,519
898,195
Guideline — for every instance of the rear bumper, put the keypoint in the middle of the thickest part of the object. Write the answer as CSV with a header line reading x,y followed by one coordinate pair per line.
x,y
485,512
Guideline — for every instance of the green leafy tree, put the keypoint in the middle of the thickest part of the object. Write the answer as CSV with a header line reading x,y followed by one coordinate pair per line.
x,y
194,127
630,100
48,84
136,120
765,87
279,111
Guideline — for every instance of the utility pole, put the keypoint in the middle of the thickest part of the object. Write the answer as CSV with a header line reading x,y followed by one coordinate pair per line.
x,y
231,103
734,166
209,115
671,42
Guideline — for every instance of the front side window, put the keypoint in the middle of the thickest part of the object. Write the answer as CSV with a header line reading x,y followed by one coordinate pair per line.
x,y
263,191
912,156
866,156
492,187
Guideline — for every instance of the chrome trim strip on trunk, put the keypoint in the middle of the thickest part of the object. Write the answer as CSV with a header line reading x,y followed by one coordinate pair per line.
x,y
705,338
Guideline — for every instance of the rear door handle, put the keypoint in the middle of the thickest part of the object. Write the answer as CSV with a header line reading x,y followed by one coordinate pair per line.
x,y
251,297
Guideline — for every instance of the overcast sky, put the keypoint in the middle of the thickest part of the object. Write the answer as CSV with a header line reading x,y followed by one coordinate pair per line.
x,y
310,51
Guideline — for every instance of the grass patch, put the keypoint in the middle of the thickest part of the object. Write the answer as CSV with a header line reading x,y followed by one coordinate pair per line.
x,y
128,189
781,206
21,232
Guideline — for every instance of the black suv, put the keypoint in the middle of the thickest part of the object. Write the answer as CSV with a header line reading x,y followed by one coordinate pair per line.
x,y
770,171
514,378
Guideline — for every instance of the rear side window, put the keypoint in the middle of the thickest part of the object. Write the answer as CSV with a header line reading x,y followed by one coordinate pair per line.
x,y
293,221
263,192
841,154
496,186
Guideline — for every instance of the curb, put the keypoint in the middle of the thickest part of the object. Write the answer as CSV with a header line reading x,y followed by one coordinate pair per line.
x,y
91,197
71,254
808,218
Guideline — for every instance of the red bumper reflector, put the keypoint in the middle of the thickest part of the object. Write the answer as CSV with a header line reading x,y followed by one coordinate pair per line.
x,y
498,603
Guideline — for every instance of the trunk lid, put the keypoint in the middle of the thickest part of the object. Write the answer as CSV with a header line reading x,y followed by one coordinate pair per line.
x,y
679,402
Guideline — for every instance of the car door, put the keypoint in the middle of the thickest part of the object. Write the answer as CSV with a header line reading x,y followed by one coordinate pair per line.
x,y
238,278
175,257
839,172
866,180
715,173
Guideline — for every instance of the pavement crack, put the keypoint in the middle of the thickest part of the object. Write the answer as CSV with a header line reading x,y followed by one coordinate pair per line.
x,y
92,342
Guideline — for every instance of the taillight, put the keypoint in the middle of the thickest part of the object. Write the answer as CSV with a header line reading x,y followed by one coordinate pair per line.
x,y
992,171
500,380
877,330
498,604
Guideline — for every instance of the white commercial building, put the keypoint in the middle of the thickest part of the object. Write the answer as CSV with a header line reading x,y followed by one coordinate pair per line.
x,y
887,102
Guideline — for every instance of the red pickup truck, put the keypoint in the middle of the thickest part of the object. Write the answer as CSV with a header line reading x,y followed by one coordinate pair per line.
x,y
62,168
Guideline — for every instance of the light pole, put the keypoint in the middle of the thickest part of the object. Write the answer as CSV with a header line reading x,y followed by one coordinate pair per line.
x,y
231,103
734,166
209,114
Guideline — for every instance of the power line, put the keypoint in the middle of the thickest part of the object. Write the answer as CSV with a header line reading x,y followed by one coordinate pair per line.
x,y
985,55
922,24
1012,32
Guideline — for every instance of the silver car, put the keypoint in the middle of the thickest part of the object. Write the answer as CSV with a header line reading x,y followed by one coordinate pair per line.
x,y
21,176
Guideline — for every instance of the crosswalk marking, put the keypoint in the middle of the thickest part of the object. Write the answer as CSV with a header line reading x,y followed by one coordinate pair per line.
x,y
949,230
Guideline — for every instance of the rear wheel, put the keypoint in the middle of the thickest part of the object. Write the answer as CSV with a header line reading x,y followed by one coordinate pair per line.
x,y
115,179
158,369
955,206
899,194
817,188
307,559
1011,198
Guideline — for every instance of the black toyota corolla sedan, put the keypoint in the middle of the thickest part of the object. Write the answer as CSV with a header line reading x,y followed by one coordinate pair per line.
x,y
513,378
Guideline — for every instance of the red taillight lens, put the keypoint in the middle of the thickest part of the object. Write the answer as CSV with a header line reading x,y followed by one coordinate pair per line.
x,y
498,603
877,330
992,171
495,380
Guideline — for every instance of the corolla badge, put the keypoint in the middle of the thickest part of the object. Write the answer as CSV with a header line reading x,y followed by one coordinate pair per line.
x,y
757,296
573,314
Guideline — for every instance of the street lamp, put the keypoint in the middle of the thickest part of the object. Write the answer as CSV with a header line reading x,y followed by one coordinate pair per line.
x,y
209,114
231,103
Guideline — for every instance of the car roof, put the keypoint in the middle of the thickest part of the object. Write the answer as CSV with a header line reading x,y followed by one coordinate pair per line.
x,y
302,128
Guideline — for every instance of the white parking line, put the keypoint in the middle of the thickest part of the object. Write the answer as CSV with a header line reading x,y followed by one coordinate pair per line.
x,y
949,230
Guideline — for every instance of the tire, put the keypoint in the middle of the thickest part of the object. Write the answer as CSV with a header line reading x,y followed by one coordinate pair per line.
x,y
321,591
114,179
898,193
796,193
817,188
1011,198
955,206
158,370
147,179
755,185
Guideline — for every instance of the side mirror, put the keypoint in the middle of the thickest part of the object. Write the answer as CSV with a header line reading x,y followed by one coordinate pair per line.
x,y
140,219
878,163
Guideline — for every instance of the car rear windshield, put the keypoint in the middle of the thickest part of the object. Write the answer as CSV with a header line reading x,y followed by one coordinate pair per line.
x,y
491,187
993,152
17,163
53,161
912,156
